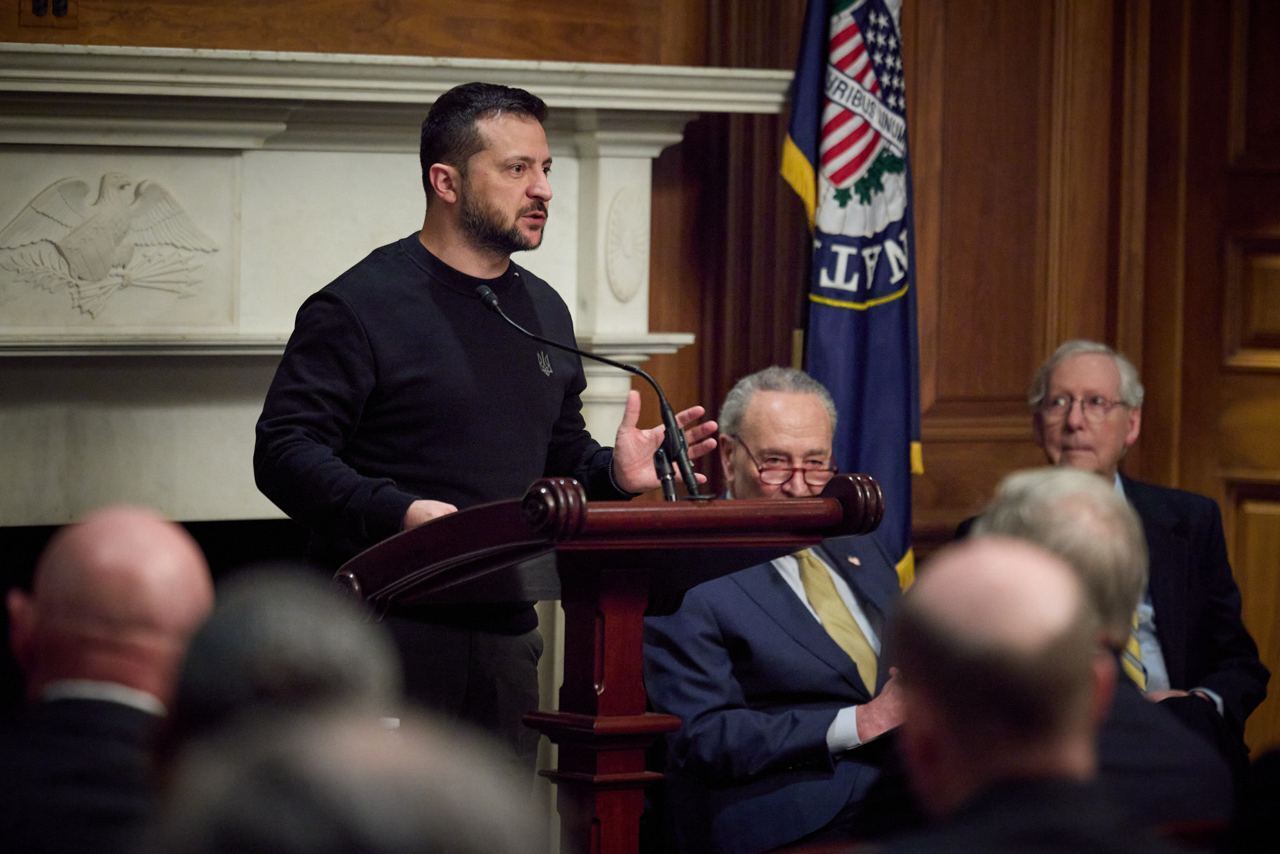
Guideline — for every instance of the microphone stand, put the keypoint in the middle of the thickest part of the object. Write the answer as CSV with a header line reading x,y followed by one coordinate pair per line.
x,y
674,447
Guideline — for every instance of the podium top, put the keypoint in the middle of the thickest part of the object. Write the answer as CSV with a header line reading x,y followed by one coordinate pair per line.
x,y
521,550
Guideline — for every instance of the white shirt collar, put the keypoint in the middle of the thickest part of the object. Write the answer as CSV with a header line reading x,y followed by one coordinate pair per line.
x,y
111,692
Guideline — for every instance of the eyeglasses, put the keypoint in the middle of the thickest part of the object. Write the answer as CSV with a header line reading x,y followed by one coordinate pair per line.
x,y
814,473
1094,408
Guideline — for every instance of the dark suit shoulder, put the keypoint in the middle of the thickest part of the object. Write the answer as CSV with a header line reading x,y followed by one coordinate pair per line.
x,y
78,775
1023,816
1181,502
1159,771
864,546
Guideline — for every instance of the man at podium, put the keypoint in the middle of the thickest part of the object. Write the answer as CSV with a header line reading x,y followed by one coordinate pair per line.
x,y
774,670
401,397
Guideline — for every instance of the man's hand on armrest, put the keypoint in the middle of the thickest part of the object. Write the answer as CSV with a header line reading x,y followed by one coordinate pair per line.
x,y
424,510
883,713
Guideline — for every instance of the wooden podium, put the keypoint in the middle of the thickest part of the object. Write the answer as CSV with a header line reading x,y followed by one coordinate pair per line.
x,y
609,563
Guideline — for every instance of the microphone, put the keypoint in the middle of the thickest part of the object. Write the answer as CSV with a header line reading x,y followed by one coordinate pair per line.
x,y
673,447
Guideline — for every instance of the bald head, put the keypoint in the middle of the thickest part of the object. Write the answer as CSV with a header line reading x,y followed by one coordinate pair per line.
x,y
999,661
998,593
115,598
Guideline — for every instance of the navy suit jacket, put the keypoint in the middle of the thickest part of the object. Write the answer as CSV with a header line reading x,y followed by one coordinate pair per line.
x,y
1034,816
75,775
1196,601
757,681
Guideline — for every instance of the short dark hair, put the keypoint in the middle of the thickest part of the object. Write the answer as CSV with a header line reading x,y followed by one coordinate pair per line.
x,y
280,639
449,132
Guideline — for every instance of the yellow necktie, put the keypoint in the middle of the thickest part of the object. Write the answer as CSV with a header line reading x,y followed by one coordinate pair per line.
x,y
834,615
1131,658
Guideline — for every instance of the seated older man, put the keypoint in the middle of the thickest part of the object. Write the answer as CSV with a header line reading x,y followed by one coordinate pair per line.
x,y
774,670
1195,654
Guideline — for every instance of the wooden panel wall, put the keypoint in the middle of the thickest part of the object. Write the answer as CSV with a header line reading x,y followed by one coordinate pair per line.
x,y
1253,519
671,32
1220,244
1013,143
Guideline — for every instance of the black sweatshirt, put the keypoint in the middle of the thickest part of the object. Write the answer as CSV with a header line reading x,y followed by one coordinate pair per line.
x,y
398,384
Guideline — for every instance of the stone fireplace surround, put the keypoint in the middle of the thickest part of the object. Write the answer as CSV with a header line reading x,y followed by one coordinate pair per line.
x,y
284,168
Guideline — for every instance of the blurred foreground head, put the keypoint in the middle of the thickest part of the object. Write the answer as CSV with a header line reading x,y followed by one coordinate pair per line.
x,y
1003,675
282,640
342,782
115,598
1083,520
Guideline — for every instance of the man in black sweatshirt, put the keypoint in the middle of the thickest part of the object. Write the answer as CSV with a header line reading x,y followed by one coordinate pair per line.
x,y
401,397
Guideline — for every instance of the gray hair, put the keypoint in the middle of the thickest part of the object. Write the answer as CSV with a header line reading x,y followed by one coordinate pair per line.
x,y
773,378
337,781
1131,390
1080,517
282,639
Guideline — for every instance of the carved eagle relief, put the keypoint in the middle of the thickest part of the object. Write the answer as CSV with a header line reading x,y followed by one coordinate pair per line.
x,y
131,235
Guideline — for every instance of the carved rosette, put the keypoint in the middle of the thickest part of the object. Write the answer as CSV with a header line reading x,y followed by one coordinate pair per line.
x,y
626,244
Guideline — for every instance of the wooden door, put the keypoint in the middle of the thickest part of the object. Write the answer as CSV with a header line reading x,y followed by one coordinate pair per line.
x,y
1211,298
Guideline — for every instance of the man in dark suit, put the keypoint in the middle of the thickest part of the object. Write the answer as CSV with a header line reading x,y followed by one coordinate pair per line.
x,y
1197,657
774,670
1153,766
100,638
1004,684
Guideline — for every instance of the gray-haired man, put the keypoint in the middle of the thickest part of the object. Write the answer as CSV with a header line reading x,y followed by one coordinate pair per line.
x,y
774,670
1086,402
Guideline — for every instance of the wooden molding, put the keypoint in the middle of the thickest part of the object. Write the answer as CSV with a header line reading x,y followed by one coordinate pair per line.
x,y
923,54
1164,245
1248,343
370,79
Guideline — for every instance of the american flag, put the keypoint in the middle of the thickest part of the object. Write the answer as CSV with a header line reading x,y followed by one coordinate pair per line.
x,y
851,140
845,155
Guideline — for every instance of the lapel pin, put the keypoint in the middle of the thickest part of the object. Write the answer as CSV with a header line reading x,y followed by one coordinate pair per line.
x,y
855,561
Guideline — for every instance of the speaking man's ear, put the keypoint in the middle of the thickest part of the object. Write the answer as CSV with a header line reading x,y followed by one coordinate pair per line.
x,y
445,181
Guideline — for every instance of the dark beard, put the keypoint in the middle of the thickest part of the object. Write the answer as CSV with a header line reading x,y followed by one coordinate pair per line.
x,y
484,226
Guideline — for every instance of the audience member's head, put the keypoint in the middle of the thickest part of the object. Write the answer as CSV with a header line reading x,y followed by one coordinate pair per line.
x,y
1083,520
114,599
776,427
1002,674
1086,403
341,783
282,640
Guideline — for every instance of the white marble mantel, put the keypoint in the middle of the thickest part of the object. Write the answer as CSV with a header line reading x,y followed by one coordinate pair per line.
x,y
364,79
289,168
